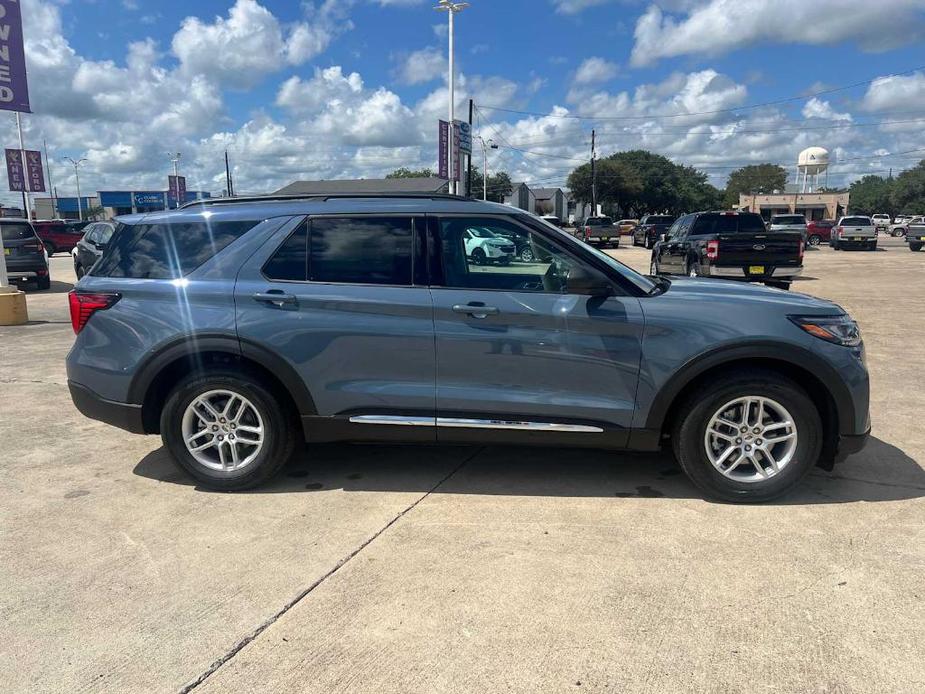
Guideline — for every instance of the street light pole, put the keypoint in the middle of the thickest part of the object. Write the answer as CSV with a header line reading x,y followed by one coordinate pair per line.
x,y
451,8
175,158
491,144
76,165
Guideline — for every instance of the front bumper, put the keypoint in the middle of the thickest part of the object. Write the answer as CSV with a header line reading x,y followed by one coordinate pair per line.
x,y
117,414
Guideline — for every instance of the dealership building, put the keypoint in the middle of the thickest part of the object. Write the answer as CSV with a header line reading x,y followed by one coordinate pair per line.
x,y
824,205
113,202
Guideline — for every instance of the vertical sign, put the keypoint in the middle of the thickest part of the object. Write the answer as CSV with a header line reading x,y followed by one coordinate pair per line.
x,y
14,90
456,152
443,169
35,173
465,136
172,185
181,190
14,170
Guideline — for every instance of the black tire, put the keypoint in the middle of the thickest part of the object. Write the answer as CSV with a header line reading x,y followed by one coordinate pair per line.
x,y
43,283
79,271
692,268
50,248
872,246
478,255
916,246
281,430
695,414
815,240
646,243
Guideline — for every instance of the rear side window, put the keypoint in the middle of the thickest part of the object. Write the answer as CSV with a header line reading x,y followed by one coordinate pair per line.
x,y
856,222
708,224
166,250
788,219
659,220
16,232
361,250
290,262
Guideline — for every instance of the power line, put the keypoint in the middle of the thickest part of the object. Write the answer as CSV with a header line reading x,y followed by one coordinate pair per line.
x,y
775,102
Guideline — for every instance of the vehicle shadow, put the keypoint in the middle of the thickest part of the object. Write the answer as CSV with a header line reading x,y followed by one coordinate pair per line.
x,y
55,288
881,472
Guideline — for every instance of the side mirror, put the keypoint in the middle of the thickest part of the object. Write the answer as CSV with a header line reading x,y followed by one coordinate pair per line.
x,y
580,281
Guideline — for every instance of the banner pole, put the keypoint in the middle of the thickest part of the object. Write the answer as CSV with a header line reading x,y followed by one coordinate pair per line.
x,y
22,154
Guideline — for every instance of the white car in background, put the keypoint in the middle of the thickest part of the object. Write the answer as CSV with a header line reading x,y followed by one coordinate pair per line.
x,y
484,246
881,222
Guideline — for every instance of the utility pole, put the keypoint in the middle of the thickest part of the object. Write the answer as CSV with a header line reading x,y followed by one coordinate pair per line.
x,y
51,184
593,178
451,8
76,165
175,158
469,169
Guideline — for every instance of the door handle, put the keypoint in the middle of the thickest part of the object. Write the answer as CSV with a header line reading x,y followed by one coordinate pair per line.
x,y
275,297
476,310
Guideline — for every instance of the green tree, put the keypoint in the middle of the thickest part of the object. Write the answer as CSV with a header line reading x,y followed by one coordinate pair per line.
x,y
664,185
410,173
755,178
499,185
908,194
871,195
617,185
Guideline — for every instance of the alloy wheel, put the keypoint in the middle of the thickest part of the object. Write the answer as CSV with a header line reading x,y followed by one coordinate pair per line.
x,y
751,439
223,430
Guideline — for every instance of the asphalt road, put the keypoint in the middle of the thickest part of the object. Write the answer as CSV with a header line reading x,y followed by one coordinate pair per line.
x,y
413,569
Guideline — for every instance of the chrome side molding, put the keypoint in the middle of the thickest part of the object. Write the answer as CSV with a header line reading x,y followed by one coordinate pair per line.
x,y
463,423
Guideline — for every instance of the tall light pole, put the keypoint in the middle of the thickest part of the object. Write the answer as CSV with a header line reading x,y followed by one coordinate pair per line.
x,y
451,8
76,164
485,146
175,158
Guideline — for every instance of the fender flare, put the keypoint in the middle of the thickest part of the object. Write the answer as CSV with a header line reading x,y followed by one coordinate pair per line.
x,y
786,353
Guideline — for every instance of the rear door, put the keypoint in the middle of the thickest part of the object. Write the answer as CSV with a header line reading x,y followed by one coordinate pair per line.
x,y
673,251
517,353
343,299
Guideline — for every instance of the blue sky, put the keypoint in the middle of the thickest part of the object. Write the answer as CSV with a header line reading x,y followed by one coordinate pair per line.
x,y
351,88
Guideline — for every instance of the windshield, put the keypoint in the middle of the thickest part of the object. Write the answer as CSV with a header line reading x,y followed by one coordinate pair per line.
x,y
641,281
16,232
480,233
788,219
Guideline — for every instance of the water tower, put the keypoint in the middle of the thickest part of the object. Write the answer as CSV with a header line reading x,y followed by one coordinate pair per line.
x,y
812,162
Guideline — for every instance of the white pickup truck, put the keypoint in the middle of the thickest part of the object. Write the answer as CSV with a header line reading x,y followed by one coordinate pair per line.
x,y
881,222
854,232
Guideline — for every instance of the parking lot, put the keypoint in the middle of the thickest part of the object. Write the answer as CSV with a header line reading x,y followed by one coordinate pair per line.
x,y
400,569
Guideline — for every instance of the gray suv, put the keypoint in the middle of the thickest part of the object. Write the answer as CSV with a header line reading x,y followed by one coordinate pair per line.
x,y
238,329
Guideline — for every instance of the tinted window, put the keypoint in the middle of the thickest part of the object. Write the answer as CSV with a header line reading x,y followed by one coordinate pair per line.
x,y
361,250
709,224
15,232
789,219
166,251
290,262
659,220
856,222
105,233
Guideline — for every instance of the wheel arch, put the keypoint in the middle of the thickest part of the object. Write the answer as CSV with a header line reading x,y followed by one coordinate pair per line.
x,y
157,376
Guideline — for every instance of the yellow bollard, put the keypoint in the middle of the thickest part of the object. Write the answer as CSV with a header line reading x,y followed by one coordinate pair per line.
x,y
12,306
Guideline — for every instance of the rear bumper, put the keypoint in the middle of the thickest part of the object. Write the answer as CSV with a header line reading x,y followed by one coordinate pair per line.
x,y
117,414
738,273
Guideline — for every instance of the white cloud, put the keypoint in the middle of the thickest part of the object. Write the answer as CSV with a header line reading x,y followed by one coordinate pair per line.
x,y
421,66
713,27
595,70
818,108
896,92
576,6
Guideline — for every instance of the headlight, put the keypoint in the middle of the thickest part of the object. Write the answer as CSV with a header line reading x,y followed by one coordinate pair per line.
x,y
840,330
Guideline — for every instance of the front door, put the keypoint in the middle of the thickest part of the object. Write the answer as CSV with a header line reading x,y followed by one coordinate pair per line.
x,y
337,297
517,352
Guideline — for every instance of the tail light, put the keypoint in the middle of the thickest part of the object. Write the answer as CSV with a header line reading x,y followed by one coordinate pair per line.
x,y
802,249
587,232
83,305
712,250
838,230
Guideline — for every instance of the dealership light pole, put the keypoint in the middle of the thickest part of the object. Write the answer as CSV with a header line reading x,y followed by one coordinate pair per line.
x,y
175,158
451,8
76,164
485,145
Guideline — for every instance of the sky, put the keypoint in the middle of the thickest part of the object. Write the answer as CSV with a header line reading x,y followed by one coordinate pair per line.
x,y
354,88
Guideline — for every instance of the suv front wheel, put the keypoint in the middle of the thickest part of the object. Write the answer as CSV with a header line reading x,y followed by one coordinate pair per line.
x,y
227,430
748,437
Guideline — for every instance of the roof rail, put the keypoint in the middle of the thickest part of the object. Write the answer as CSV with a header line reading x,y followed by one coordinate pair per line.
x,y
319,197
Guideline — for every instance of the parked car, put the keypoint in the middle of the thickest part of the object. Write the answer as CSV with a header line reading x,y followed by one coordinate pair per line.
x,y
819,231
901,224
650,229
552,219
854,232
484,246
881,222
57,235
729,245
90,248
788,222
24,253
626,226
599,230
915,233
263,323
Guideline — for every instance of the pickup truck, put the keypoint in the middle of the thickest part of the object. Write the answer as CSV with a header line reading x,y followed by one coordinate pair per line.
x,y
854,232
729,245
599,230
915,233
788,222
881,222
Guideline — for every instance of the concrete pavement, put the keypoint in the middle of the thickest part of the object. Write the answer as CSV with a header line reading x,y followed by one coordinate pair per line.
x,y
398,569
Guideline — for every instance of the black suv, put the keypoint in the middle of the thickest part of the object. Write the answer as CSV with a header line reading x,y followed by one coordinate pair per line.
x,y
729,245
650,229
24,253
89,249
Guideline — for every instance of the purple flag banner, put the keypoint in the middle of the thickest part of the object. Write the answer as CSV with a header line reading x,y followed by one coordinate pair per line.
x,y
14,170
14,88
35,172
443,166
456,166
181,189
172,187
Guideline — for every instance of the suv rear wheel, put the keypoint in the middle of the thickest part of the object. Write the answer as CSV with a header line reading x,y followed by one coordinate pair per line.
x,y
749,437
814,240
915,246
227,430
